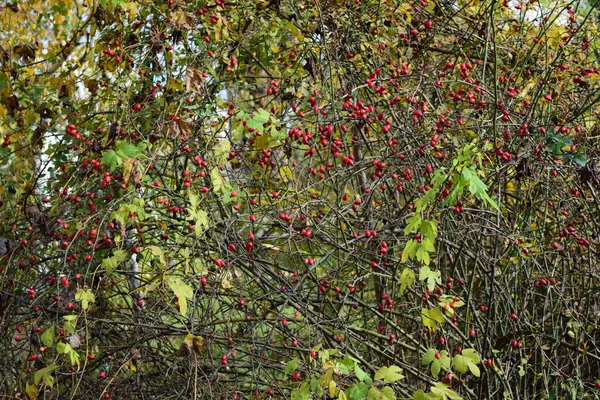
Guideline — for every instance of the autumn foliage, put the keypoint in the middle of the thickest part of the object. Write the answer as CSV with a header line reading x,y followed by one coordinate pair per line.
x,y
333,199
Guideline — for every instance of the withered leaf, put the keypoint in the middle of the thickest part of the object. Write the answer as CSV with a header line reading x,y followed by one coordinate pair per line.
x,y
91,85
136,354
183,20
37,216
26,50
157,38
198,344
6,245
523,170
179,128
311,66
194,342
12,104
588,172
183,350
66,91
3,55
131,172
194,81
74,340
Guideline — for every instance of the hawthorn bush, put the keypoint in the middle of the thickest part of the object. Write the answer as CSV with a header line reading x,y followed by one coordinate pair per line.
x,y
341,199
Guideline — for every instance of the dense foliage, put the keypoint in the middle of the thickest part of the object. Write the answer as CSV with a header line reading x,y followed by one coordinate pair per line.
x,y
341,199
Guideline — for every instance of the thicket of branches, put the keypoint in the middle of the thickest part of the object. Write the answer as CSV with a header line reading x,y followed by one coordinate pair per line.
x,y
299,199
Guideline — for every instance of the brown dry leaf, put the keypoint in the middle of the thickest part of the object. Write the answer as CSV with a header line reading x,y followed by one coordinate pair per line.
x,y
179,128
194,81
66,90
198,344
12,104
183,350
131,171
136,354
183,20
74,340
221,377
91,85
3,55
311,67
26,50
14,7
157,38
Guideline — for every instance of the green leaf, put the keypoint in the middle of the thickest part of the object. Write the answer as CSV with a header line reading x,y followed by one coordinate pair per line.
x,y
429,228
423,255
62,348
85,296
445,360
261,115
432,277
302,393
436,364
467,361
421,395
580,160
111,263
472,354
389,374
70,323
428,244
292,365
216,180
421,203
357,391
194,199
44,374
238,132
431,318
360,374
407,278
436,367
373,394
182,290
429,356
410,249
125,149
413,223
201,222
111,159
73,357
443,390
47,336
387,393
477,187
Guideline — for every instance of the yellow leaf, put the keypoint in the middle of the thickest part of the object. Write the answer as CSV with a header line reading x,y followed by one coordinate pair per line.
x,y
225,283
31,392
327,376
131,9
270,246
332,388
198,344
174,84
218,28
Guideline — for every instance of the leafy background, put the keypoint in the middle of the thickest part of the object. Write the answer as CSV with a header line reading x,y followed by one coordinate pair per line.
x,y
299,199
